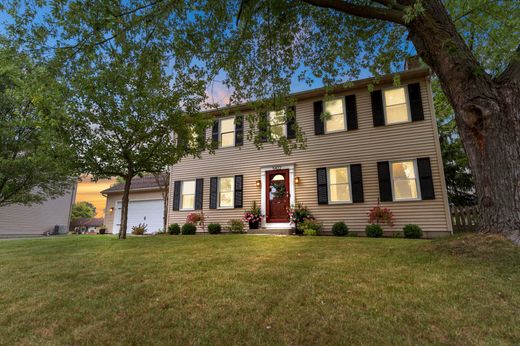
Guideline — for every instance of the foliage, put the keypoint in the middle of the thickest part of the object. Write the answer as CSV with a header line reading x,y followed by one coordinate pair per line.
x,y
174,229
189,229
139,229
236,226
412,231
310,224
299,213
381,216
83,210
253,214
340,229
194,218
214,228
310,232
374,231
35,163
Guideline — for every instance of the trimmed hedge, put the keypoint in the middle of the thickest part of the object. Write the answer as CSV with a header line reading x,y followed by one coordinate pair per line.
x,y
374,231
412,231
174,228
189,229
340,229
214,228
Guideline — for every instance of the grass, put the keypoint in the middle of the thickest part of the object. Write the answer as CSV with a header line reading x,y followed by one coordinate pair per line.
x,y
237,289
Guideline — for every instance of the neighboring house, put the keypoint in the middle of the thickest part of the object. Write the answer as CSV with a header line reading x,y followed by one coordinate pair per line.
x,y
146,204
86,225
380,145
52,215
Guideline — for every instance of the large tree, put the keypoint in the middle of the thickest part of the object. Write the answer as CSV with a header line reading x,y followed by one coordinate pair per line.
x,y
35,164
83,209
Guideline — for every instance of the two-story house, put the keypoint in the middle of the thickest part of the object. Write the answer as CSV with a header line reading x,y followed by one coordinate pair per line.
x,y
380,145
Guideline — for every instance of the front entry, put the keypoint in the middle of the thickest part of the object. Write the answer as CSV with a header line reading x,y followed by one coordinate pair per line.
x,y
277,195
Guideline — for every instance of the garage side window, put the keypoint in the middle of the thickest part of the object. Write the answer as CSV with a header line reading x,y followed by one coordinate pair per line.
x,y
188,195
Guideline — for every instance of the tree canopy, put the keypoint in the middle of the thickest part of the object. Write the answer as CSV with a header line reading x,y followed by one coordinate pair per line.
x,y
83,210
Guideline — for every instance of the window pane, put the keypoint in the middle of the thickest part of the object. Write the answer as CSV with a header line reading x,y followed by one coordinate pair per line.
x,y
226,199
227,139
334,106
397,114
335,123
340,193
188,202
405,189
188,188
227,125
277,117
403,170
277,131
395,96
338,175
226,184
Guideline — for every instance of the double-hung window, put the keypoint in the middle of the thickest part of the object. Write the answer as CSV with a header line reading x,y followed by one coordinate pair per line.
x,y
188,195
277,124
404,180
396,105
339,185
336,115
226,192
227,132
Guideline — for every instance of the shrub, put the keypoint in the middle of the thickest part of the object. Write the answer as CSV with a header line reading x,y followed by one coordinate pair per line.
x,y
412,231
189,228
236,226
174,228
311,232
339,229
374,231
380,216
139,229
310,224
214,228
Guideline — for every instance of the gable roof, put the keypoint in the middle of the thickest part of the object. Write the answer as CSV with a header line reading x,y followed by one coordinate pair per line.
x,y
147,182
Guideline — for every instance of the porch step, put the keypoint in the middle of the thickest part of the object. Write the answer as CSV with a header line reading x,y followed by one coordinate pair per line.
x,y
271,231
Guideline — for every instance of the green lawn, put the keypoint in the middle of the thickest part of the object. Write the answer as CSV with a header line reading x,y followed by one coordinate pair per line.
x,y
238,289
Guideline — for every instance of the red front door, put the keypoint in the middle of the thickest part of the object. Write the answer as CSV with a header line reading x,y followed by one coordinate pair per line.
x,y
277,195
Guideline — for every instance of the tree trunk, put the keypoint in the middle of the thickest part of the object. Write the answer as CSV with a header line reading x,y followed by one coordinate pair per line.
x,y
124,207
487,112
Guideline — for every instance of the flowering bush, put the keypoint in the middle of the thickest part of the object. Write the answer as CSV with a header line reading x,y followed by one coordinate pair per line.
x,y
378,216
193,218
299,213
254,214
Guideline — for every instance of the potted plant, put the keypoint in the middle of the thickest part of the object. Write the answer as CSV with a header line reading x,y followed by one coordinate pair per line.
x,y
253,216
297,214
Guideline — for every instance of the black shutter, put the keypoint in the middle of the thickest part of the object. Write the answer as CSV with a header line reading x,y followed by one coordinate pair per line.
x,y
350,105
319,126
356,178
323,193
215,134
378,112
199,188
176,195
416,108
263,127
239,130
213,181
385,184
291,121
425,178
238,191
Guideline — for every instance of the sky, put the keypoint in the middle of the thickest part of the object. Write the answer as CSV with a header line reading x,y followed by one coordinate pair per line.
x,y
90,191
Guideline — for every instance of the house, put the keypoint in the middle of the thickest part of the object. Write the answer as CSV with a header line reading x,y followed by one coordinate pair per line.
x,y
86,225
375,146
146,203
49,217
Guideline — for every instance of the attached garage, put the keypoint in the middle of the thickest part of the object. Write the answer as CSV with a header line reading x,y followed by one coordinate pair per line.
x,y
148,212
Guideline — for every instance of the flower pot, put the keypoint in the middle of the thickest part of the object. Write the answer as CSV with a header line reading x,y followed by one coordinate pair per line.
x,y
253,224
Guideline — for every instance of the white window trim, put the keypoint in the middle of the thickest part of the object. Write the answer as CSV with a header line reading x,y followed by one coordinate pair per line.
x,y
417,182
284,124
194,195
232,191
349,185
220,132
407,101
342,99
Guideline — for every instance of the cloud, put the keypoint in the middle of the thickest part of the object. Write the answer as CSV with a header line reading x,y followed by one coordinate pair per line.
x,y
218,93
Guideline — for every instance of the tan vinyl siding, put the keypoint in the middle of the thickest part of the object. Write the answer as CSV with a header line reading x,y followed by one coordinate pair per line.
x,y
134,196
365,146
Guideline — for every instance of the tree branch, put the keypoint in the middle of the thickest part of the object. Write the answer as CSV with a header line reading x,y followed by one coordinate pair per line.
x,y
512,71
363,11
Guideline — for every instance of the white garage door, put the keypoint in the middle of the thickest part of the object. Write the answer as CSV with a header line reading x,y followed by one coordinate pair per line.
x,y
148,212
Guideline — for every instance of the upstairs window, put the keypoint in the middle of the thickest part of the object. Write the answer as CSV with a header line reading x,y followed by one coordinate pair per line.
x,y
396,106
404,180
188,195
339,185
336,122
226,192
227,132
277,124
